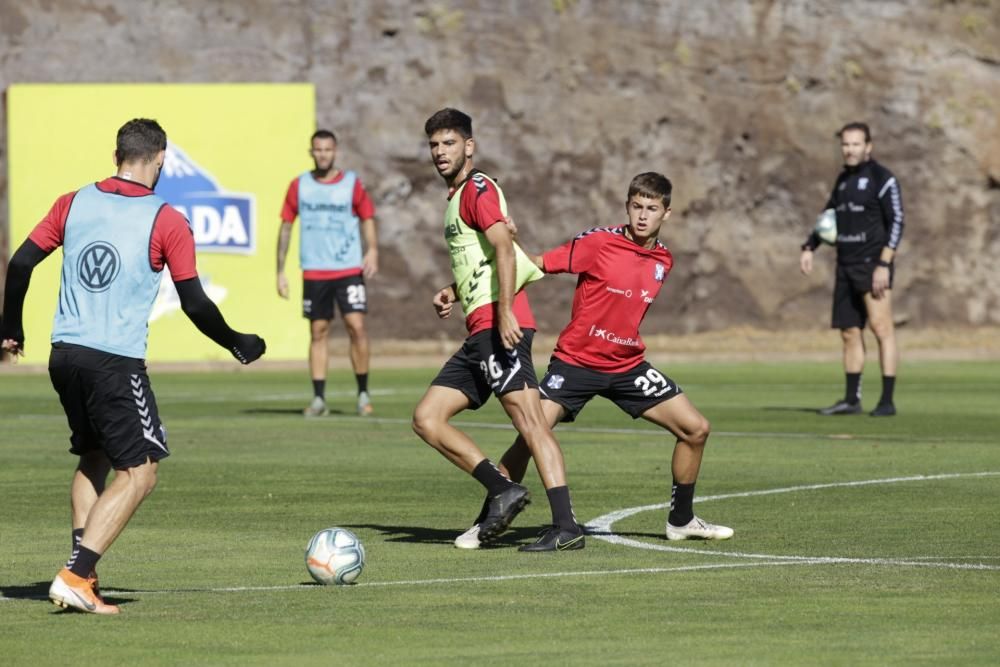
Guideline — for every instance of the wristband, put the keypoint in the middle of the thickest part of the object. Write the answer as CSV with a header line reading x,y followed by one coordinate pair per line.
x,y
882,262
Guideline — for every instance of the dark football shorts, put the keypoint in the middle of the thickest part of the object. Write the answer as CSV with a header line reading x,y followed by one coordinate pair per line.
x,y
634,391
483,366
319,296
852,283
109,405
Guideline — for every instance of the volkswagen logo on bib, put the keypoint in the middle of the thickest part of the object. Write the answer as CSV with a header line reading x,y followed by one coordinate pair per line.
x,y
98,267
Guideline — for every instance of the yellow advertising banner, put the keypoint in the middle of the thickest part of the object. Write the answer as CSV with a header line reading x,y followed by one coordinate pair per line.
x,y
233,149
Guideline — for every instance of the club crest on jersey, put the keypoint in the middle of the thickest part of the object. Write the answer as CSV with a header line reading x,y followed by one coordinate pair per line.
x,y
555,382
98,266
659,272
862,183
221,221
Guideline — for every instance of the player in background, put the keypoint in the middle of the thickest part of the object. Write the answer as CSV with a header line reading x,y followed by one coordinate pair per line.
x,y
489,271
117,237
335,212
869,208
600,352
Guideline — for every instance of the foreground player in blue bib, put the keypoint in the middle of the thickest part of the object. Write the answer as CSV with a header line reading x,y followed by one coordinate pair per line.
x,y
117,237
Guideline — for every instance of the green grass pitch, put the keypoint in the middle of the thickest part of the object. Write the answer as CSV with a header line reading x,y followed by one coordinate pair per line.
x,y
822,570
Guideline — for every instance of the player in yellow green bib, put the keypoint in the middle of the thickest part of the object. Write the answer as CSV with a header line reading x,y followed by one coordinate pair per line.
x,y
489,271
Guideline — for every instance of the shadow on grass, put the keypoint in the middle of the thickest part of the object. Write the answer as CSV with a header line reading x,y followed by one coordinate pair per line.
x,y
515,536
622,533
35,591
39,592
421,535
789,408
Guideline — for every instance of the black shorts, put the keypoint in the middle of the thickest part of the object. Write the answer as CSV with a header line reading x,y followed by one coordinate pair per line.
x,y
634,391
483,366
109,405
849,289
318,297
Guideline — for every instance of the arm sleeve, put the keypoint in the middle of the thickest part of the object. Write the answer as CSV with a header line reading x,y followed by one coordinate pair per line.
x,y
890,200
831,201
172,245
203,313
290,209
668,264
48,234
576,256
361,202
557,260
480,205
22,263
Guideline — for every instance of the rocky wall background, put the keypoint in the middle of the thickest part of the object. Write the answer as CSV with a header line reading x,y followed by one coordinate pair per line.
x,y
735,101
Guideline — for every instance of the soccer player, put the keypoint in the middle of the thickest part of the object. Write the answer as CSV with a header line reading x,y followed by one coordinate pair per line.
x,y
489,271
117,237
869,209
600,352
330,203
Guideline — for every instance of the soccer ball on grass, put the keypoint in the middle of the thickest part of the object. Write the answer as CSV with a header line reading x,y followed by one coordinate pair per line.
x,y
335,556
826,226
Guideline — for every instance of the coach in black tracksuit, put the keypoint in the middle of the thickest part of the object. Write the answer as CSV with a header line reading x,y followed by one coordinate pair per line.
x,y
869,210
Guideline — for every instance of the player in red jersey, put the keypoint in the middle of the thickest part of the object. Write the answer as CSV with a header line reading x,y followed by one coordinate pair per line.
x,y
336,219
600,352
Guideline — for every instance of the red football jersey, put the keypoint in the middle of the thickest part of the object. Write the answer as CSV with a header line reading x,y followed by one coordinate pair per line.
x,y
171,244
618,281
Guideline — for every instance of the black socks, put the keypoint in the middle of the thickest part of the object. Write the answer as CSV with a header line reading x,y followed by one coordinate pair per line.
x,y
319,389
853,393
487,474
681,504
562,508
888,386
83,561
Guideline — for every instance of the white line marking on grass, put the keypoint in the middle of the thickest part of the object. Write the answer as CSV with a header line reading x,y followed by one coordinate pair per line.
x,y
431,582
600,528
583,573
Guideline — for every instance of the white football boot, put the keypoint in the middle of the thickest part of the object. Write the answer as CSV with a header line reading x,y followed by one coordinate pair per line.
x,y
317,408
365,404
696,529
469,539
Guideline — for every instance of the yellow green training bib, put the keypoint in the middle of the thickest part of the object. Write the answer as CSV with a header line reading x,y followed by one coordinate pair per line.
x,y
473,258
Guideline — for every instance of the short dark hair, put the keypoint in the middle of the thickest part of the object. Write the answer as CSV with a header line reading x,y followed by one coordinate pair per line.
x,y
856,125
139,139
449,119
322,134
653,185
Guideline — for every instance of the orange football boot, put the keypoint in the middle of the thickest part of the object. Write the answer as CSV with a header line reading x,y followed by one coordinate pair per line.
x,y
69,590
